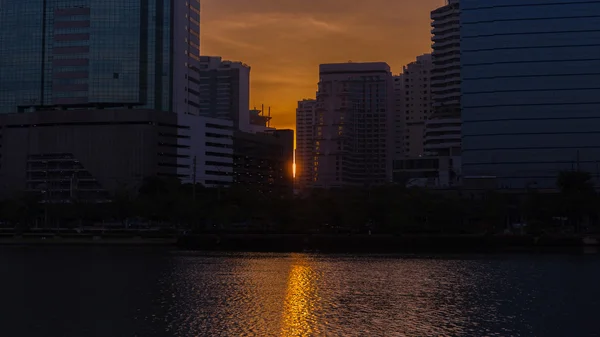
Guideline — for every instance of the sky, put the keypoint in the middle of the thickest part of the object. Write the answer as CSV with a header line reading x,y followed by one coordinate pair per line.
x,y
284,41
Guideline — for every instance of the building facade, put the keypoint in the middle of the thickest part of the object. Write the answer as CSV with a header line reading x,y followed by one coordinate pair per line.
x,y
305,143
399,118
205,150
103,150
260,120
353,125
99,151
263,162
428,171
442,136
225,90
530,92
68,154
64,54
413,106
68,61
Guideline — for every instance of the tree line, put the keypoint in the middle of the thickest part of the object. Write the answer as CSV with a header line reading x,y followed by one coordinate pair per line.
x,y
383,209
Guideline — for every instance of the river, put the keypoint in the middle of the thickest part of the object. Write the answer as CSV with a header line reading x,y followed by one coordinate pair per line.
x,y
110,292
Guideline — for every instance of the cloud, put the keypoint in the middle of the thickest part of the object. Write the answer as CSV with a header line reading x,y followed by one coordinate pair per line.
x,y
224,40
331,27
276,22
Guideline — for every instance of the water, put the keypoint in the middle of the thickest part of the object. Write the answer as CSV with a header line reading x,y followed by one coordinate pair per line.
x,y
107,292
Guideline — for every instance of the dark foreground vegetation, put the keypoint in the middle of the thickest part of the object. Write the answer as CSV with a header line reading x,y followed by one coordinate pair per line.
x,y
374,219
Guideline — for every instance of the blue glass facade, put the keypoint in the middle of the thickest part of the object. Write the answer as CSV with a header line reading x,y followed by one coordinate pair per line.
x,y
79,53
21,53
530,89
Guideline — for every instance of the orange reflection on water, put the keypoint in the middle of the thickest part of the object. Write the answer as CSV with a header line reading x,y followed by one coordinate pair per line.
x,y
301,301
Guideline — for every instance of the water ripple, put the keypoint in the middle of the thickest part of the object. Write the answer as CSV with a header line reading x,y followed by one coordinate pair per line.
x,y
104,292
311,295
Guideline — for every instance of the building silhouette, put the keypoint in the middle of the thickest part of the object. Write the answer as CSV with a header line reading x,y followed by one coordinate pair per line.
x,y
353,125
443,127
305,143
225,90
89,154
413,104
435,160
263,162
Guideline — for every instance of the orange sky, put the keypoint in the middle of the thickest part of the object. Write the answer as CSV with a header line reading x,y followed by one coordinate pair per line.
x,y
284,41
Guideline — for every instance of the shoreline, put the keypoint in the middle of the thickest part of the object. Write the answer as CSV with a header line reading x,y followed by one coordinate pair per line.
x,y
322,243
91,241
383,244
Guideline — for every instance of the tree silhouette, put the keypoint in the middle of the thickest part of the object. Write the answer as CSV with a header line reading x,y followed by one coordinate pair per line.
x,y
577,196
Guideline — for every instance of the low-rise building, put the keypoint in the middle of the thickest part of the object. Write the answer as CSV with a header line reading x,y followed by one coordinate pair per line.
x,y
430,172
205,151
264,161
259,122
88,154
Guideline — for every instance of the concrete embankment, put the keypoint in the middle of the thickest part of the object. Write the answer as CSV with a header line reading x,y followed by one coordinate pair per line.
x,y
379,243
335,243
85,240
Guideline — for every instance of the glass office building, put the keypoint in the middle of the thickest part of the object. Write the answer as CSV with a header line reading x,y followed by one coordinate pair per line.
x,y
530,89
63,54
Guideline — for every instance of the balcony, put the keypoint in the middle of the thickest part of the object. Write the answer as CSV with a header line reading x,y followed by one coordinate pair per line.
x,y
440,12
449,19
454,95
440,63
445,70
446,45
449,125
442,146
450,87
447,34
442,55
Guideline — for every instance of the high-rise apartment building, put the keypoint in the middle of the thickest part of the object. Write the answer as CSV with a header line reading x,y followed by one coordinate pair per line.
x,y
353,125
305,143
413,104
443,127
225,90
399,119
530,89
73,54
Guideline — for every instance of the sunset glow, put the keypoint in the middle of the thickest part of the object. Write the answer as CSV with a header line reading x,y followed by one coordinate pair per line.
x,y
285,41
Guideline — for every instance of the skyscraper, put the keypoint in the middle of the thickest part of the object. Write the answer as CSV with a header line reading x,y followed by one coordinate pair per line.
x,y
305,142
530,89
225,90
413,106
354,124
443,127
63,62
67,54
